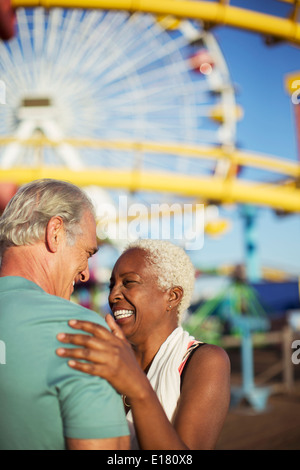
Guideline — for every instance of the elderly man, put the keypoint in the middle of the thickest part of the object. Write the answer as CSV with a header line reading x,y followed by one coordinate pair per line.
x,y
47,234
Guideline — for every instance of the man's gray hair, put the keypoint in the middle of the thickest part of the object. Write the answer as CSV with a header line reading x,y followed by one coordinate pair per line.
x,y
27,214
172,267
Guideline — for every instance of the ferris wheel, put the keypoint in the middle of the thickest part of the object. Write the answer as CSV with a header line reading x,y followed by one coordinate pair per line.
x,y
113,76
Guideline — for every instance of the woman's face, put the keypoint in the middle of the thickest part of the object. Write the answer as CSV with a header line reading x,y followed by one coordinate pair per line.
x,y
138,304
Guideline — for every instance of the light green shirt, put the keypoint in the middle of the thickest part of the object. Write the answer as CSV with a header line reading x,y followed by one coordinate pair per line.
x,y
43,400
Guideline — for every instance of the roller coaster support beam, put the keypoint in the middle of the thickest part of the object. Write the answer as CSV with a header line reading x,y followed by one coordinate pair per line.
x,y
212,13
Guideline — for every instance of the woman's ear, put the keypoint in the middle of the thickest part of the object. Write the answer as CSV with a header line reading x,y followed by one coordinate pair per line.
x,y
54,231
175,296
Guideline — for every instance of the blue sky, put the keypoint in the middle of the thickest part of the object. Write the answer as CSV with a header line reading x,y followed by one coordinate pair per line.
x,y
268,127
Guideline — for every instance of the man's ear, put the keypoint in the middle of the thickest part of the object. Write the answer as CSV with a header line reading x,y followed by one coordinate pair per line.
x,y
54,233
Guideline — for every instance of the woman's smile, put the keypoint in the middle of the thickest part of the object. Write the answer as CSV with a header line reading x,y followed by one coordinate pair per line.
x,y
122,313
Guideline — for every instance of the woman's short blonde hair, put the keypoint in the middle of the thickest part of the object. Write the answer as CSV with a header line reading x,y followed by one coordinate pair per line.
x,y
172,266
26,216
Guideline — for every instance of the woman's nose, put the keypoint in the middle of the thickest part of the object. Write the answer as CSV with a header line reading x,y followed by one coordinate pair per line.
x,y
115,294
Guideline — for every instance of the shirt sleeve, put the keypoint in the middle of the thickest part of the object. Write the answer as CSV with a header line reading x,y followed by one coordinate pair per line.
x,y
90,408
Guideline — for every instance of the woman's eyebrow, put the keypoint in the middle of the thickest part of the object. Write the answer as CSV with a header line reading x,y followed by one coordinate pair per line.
x,y
126,273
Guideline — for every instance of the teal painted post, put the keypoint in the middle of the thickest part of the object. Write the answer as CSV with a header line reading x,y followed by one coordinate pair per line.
x,y
247,361
253,273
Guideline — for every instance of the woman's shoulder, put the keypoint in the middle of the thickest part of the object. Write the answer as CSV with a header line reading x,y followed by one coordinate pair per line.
x,y
208,359
211,353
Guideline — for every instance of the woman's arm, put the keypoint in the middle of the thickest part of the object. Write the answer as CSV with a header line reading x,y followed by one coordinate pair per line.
x,y
204,398
202,408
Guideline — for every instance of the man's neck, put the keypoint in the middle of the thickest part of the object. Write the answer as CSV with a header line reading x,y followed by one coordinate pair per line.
x,y
28,262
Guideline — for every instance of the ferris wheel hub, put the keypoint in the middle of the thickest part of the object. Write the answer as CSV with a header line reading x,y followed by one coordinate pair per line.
x,y
37,108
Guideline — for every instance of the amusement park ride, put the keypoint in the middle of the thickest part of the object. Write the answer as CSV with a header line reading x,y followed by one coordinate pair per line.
x,y
40,115
135,96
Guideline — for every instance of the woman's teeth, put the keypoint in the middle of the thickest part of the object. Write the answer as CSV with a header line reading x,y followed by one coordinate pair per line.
x,y
122,313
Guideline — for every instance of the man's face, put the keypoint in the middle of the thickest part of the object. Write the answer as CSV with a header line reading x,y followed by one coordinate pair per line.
x,y
73,264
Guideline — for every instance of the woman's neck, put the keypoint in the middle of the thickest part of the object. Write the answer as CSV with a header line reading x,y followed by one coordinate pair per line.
x,y
146,351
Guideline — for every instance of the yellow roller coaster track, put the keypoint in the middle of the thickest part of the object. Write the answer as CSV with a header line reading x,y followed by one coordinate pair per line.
x,y
234,156
225,190
284,197
212,13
